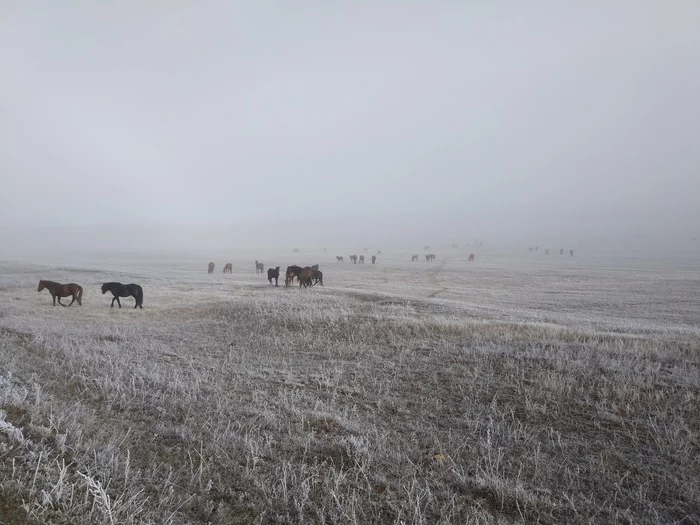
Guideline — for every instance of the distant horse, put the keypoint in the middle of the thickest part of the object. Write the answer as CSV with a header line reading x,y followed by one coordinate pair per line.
x,y
379,252
471,257
455,246
546,251
537,248
259,268
211,267
426,247
124,290
339,258
414,258
374,259
353,258
296,250
571,253
429,257
362,259
305,277
316,276
273,274
228,268
364,250
58,290
561,251
529,249
292,272
432,256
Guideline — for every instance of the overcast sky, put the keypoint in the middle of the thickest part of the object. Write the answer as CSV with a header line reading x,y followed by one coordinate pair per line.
x,y
497,116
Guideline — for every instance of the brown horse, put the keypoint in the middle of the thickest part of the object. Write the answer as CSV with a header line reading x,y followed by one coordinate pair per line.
x,y
471,257
62,290
362,259
228,268
210,268
305,277
353,258
292,272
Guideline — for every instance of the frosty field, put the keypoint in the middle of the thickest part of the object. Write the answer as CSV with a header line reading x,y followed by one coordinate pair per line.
x,y
518,388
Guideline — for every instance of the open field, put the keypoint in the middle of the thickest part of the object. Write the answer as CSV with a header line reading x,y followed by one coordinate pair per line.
x,y
515,389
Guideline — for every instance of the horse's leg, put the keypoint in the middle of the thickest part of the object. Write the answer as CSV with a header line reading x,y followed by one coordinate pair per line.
x,y
118,301
54,299
72,301
59,301
113,298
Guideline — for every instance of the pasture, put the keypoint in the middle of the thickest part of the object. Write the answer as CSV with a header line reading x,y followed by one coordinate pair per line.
x,y
518,388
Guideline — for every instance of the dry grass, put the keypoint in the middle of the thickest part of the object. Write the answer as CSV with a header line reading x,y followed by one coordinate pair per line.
x,y
533,398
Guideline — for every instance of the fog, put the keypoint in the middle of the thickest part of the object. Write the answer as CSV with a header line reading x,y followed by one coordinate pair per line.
x,y
331,123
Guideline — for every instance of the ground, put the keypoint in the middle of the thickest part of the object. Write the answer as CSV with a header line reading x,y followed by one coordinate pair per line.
x,y
519,388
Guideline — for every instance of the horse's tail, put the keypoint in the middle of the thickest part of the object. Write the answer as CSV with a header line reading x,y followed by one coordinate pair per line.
x,y
139,296
80,295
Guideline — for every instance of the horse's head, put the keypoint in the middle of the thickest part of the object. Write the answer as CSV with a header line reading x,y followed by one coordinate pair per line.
x,y
104,289
42,285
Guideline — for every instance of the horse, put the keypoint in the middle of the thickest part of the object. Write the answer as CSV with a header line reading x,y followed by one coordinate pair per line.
x,y
374,259
228,268
362,259
210,268
124,290
426,247
273,274
471,257
414,258
561,251
314,266
292,272
430,257
305,277
353,258
317,276
546,251
571,253
259,268
339,258
296,250
427,257
58,290
379,252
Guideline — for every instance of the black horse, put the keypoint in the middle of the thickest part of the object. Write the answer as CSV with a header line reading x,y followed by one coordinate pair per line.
x,y
124,290
316,276
273,274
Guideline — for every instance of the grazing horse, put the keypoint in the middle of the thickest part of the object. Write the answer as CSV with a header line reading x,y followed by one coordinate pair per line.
x,y
317,276
362,259
292,272
374,259
571,253
259,268
339,258
124,290
210,268
58,290
414,258
228,268
273,274
471,257
353,258
305,277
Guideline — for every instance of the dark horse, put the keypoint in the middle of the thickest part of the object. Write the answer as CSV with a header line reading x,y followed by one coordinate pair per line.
x,y
124,290
292,272
273,274
316,276
63,290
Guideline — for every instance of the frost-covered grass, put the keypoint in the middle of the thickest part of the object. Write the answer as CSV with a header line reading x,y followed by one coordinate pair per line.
x,y
521,390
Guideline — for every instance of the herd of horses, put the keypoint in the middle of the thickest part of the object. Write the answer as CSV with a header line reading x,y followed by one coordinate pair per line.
x,y
546,251
58,290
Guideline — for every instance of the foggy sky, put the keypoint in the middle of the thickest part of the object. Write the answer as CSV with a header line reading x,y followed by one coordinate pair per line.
x,y
556,117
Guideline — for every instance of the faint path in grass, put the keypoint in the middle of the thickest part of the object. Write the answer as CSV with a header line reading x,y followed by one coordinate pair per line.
x,y
433,274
